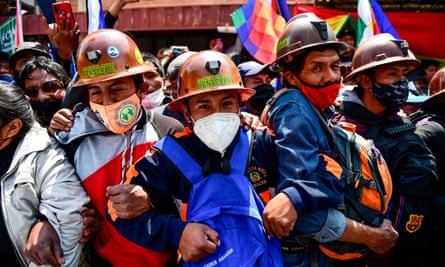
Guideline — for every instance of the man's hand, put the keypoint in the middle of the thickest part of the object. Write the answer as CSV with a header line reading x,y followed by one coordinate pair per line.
x,y
92,220
61,36
129,200
378,239
197,241
43,245
383,238
279,216
249,120
62,120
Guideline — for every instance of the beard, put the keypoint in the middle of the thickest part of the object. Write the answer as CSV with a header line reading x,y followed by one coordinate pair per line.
x,y
44,112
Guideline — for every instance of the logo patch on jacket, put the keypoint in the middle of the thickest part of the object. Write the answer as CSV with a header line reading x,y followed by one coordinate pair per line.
x,y
257,176
414,223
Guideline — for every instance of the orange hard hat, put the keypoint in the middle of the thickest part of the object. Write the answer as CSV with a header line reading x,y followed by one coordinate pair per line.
x,y
108,54
209,71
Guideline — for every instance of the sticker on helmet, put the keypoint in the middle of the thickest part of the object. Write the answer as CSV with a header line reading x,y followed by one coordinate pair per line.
x,y
113,51
282,44
138,56
214,81
102,69
93,56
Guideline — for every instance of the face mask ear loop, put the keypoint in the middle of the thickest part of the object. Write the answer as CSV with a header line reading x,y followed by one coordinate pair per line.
x,y
191,118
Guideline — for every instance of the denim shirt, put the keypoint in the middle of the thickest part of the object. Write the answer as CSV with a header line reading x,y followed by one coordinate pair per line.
x,y
302,149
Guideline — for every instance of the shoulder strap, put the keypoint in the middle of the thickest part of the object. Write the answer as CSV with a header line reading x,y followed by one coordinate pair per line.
x,y
181,159
190,168
324,124
271,102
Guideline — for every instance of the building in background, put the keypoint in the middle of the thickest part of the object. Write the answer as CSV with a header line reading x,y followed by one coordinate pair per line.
x,y
194,23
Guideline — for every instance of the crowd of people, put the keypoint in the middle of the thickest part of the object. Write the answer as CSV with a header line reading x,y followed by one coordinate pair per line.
x,y
133,160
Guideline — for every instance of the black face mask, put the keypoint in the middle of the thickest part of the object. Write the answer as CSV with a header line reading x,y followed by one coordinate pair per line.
x,y
263,93
393,96
45,111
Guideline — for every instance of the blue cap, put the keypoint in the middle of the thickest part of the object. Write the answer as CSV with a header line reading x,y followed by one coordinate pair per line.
x,y
415,99
250,68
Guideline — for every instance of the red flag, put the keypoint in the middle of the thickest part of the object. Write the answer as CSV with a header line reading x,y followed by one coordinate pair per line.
x,y
18,24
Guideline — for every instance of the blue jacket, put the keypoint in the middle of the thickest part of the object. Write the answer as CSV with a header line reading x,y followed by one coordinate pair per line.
x,y
307,172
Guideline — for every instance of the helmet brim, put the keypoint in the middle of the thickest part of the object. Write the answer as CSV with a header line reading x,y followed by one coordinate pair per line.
x,y
113,76
412,64
244,93
435,102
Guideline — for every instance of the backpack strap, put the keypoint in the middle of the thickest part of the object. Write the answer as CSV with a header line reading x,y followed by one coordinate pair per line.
x,y
190,168
324,124
271,102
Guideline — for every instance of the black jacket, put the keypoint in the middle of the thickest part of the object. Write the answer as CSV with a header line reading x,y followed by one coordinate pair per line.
x,y
413,171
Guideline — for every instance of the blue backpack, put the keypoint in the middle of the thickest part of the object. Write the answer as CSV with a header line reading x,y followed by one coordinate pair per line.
x,y
228,203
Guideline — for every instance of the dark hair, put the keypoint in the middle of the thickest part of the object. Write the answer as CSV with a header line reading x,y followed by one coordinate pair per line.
x,y
46,64
152,58
297,64
14,105
138,80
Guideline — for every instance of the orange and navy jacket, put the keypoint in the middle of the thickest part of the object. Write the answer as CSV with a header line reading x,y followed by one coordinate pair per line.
x,y
97,155
161,178
308,174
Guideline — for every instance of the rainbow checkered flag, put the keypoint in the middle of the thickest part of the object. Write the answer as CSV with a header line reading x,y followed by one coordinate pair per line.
x,y
259,25
372,20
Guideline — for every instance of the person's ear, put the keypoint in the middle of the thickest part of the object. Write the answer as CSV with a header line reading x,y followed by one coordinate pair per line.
x,y
290,78
186,113
142,90
13,128
365,81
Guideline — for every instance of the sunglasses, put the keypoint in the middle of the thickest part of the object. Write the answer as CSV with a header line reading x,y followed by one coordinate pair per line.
x,y
48,87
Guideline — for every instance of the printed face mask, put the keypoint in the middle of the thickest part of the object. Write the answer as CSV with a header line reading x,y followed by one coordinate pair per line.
x,y
393,96
321,97
119,117
217,130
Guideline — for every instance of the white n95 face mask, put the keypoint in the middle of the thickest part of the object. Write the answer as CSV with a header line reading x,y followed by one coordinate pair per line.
x,y
217,130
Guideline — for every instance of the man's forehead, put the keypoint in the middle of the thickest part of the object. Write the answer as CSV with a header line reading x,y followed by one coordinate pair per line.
x,y
324,56
106,84
259,75
213,95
